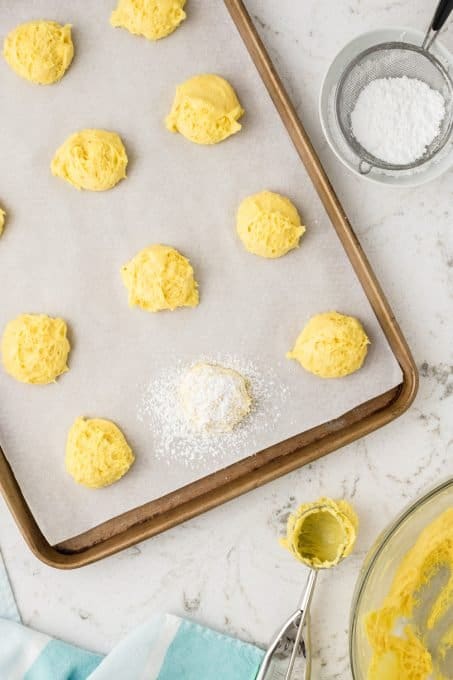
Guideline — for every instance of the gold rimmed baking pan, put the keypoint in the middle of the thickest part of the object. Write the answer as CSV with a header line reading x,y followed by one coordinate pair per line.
x,y
193,499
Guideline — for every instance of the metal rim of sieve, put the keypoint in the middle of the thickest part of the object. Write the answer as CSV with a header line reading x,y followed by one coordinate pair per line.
x,y
368,160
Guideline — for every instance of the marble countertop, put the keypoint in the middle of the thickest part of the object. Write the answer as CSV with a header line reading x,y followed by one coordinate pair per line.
x,y
232,574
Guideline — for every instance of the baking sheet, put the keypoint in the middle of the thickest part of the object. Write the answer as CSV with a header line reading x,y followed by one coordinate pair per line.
x,y
62,251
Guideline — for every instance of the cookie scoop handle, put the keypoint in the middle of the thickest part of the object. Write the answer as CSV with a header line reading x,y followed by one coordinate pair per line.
x,y
304,606
441,15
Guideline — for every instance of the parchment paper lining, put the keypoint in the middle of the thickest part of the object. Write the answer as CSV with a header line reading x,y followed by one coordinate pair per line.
x,y
62,251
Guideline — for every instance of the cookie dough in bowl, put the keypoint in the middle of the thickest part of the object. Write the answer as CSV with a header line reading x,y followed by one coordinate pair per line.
x,y
97,453
2,220
214,398
39,51
205,110
400,637
153,19
35,348
160,278
401,625
331,345
91,159
268,224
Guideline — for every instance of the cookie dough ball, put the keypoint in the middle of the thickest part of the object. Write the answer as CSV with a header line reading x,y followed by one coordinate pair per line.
x,y
95,160
39,51
2,220
268,224
35,348
214,399
331,345
97,453
154,19
205,110
159,278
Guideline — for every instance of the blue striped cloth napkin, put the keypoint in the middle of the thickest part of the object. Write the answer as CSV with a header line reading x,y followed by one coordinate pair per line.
x,y
165,648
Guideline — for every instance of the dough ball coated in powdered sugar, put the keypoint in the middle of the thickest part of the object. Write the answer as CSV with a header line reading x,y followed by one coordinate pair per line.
x,y
214,399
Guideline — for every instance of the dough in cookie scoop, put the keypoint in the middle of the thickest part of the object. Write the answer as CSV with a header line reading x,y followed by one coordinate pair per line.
x,y
153,19
95,160
322,533
205,110
97,453
35,348
39,51
159,278
268,224
214,399
331,345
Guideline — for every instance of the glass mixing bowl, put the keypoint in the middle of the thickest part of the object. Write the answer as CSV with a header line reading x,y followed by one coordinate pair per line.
x,y
381,564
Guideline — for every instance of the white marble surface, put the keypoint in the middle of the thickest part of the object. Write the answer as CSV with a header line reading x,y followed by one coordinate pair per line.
x,y
230,573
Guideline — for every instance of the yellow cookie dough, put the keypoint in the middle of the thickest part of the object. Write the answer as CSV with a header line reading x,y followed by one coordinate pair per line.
x,y
322,533
154,19
97,453
205,110
214,398
331,345
95,160
39,51
405,646
268,224
159,278
2,220
35,348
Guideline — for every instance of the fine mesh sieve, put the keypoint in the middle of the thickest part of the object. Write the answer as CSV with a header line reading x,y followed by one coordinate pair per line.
x,y
394,60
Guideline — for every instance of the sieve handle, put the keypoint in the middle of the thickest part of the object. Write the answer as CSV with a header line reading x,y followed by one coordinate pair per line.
x,y
441,15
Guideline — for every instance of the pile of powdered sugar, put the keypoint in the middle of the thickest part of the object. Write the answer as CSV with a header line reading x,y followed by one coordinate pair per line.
x,y
396,119
173,437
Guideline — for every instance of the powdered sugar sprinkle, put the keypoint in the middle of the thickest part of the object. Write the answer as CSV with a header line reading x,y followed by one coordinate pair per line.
x,y
174,438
